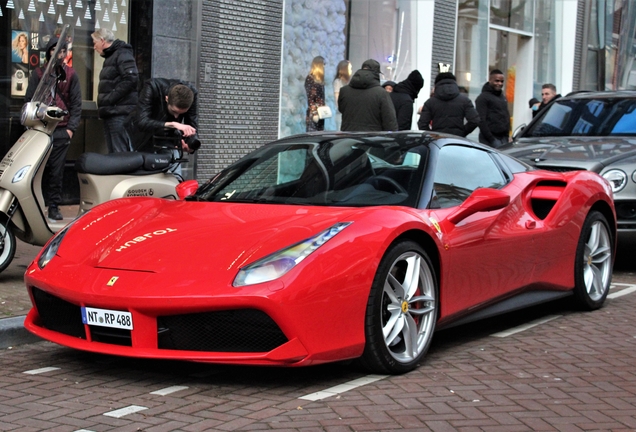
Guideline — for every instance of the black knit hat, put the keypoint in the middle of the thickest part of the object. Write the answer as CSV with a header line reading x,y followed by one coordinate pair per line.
x,y
444,75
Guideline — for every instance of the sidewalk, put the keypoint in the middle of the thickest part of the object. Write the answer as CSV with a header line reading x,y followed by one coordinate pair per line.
x,y
14,299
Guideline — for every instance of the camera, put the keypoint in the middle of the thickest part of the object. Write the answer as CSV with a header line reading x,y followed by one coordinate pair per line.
x,y
193,142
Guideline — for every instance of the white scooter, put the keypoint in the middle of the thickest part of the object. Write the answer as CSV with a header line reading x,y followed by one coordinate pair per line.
x,y
101,177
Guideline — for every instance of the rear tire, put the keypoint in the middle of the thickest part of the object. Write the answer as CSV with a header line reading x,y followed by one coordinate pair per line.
x,y
7,247
401,311
594,260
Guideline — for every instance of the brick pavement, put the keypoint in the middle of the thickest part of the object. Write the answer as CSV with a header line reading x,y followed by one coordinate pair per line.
x,y
574,373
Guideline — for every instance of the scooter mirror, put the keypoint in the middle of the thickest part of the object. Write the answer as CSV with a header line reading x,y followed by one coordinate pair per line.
x,y
187,188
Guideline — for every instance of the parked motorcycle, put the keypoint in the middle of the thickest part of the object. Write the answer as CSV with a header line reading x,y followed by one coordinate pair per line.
x,y
101,177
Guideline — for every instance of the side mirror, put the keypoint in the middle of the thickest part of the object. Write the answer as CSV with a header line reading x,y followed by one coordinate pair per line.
x,y
518,131
481,200
187,188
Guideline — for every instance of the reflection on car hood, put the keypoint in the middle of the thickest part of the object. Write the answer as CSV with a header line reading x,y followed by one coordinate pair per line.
x,y
591,153
191,237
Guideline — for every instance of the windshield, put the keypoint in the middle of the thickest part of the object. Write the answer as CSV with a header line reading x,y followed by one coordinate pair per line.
x,y
45,91
587,117
344,171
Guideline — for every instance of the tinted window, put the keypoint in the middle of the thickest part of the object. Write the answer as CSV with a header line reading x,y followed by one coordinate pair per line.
x,y
461,170
587,117
363,171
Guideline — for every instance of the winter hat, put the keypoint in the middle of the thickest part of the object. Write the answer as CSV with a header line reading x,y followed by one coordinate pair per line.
x,y
532,102
411,85
388,83
444,75
371,65
52,44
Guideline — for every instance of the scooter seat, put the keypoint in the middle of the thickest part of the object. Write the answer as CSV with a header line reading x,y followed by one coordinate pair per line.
x,y
109,164
133,163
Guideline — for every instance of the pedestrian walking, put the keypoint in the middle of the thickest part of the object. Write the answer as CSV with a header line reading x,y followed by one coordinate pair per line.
x,y
315,90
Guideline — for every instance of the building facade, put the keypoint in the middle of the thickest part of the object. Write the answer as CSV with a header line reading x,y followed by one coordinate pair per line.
x,y
250,58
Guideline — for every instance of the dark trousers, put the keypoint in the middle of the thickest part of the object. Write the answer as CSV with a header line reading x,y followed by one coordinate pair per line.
x,y
53,177
117,138
499,141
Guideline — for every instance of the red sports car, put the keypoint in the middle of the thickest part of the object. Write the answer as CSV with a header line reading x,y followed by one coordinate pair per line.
x,y
324,247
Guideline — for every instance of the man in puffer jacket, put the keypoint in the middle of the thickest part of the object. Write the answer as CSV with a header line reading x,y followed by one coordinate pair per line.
x,y
492,106
117,91
403,96
446,110
364,104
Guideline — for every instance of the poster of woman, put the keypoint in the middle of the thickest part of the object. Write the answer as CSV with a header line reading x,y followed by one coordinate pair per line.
x,y
20,47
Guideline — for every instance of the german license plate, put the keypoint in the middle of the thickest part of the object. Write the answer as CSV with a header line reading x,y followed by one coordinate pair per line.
x,y
107,318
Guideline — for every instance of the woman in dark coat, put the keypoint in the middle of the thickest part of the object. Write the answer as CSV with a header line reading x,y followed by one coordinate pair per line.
x,y
315,89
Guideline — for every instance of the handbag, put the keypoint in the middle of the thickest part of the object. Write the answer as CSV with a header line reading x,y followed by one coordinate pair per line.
x,y
324,112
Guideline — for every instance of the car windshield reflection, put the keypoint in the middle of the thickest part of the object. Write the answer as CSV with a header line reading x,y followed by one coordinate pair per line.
x,y
587,117
344,171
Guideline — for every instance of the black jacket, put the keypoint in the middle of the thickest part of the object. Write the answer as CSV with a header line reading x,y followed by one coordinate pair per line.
x,y
446,110
492,107
151,112
365,105
117,91
403,96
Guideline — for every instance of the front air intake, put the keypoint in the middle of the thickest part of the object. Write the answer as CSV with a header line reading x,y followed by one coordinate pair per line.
x,y
242,330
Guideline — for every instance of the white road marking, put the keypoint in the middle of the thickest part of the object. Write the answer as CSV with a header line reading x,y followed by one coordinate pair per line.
x,y
41,370
526,326
125,411
630,288
168,390
341,388
83,430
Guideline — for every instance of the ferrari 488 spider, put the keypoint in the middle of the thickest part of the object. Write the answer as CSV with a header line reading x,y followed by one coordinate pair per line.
x,y
324,247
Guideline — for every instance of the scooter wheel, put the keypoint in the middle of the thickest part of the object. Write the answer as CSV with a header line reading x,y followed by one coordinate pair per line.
x,y
7,247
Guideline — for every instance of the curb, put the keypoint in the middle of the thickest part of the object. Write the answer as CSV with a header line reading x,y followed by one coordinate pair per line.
x,y
12,332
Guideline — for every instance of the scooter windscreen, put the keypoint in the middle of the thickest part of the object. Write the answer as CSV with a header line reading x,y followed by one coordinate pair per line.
x,y
54,71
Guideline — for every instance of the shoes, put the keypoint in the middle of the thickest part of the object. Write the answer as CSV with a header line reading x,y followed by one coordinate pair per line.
x,y
54,213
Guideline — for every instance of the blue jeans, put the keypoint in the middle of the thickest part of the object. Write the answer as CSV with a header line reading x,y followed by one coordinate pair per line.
x,y
117,139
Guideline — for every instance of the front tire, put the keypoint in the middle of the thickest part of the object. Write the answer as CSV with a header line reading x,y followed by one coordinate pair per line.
x,y
7,247
594,260
401,311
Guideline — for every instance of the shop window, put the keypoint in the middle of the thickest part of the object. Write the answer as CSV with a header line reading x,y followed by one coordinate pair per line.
x,y
31,24
354,30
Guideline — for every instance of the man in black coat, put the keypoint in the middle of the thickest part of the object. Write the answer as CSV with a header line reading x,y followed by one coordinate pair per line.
x,y
364,104
117,90
403,96
164,105
68,97
492,106
446,110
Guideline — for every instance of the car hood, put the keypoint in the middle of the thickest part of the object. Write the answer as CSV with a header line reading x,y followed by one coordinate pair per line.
x,y
158,235
590,153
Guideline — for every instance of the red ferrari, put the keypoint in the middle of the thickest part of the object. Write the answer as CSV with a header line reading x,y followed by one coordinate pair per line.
x,y
323,247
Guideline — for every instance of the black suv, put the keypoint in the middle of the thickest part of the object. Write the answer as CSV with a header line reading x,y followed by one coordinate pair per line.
x,y
593,131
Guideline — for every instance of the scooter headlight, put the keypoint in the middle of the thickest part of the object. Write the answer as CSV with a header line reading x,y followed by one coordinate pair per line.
x,y
22,172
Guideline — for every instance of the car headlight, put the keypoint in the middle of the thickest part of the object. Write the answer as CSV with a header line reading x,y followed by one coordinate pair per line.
x,y
616,178
279,263
51,248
